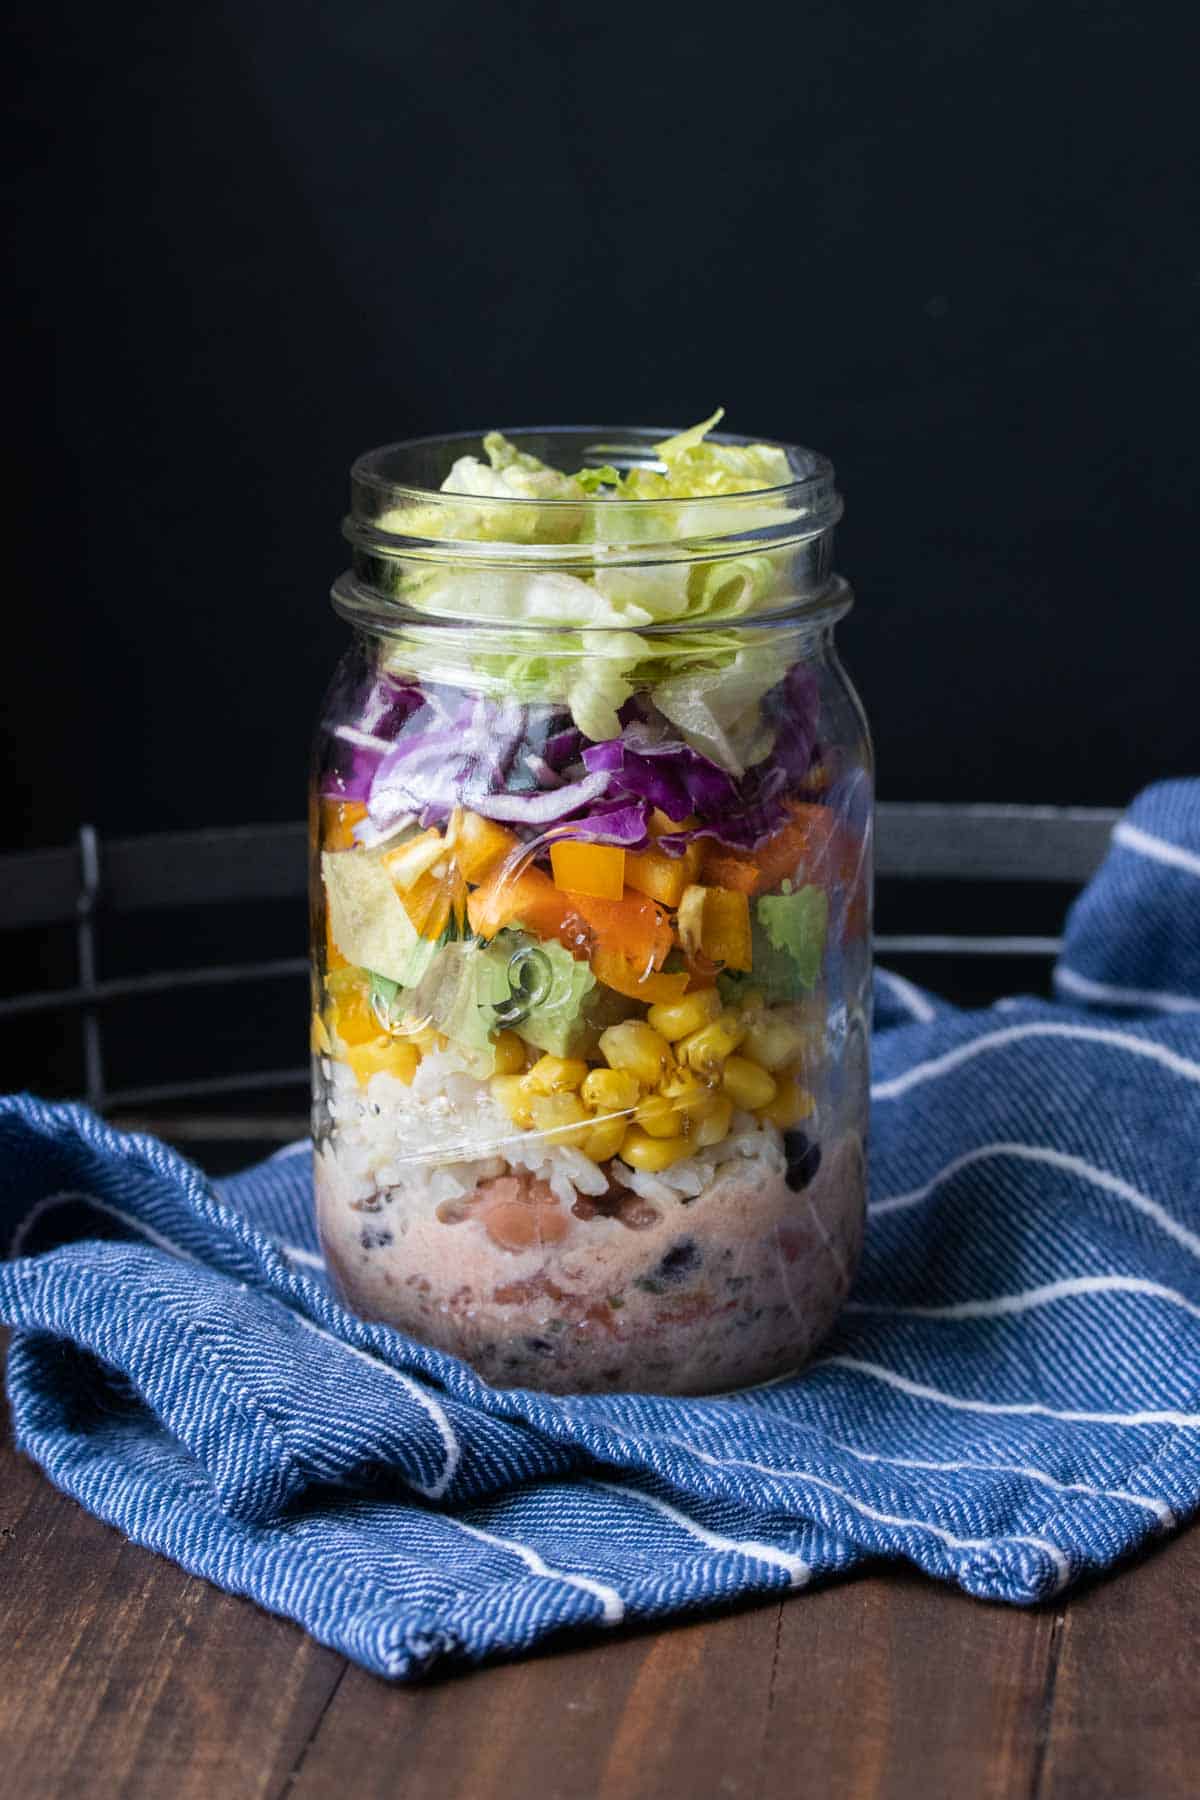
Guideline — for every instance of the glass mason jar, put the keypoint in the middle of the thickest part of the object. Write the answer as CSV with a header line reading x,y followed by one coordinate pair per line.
x,y
591,903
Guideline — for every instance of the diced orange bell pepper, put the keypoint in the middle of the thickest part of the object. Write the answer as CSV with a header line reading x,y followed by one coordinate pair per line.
x,y
732,869
479,843
633,926
814,846
529,896
338,819
595,869
624,977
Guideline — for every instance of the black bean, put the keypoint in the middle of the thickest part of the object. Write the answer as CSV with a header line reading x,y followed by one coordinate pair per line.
x,y
803,1159
679,1262
374,1237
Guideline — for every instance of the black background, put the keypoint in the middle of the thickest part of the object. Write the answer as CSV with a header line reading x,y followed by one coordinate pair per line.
x,y
954,245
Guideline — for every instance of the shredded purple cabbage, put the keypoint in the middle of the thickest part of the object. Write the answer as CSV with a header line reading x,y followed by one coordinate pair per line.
x,y
413,752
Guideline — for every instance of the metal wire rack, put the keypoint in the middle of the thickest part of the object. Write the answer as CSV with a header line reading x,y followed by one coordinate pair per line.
x,y
92,880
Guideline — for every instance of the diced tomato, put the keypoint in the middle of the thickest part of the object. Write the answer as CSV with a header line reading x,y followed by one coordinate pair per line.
x,y
633,926
814,846
527,895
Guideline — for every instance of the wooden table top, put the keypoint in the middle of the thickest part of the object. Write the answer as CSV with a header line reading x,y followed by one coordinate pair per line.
x,y
124,1676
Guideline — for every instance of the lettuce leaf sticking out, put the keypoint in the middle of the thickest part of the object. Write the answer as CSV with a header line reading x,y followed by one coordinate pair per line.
x,y
694,468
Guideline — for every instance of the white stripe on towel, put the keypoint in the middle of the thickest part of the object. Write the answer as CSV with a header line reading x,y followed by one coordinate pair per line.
x,y
1055,1159
1159,1508
1023,1408
870,1512
1003,1304
1011,1034
796,1567
908,995
450,1443
1132,837
1073,983
611,1602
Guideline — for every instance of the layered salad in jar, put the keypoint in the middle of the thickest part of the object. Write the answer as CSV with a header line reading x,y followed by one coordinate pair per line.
x,y
591,910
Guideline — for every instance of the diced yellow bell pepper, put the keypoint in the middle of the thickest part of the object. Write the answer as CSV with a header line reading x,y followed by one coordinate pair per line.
x,y
726,932
662,877
594,869
715,922
318,1037
480,845
384,1056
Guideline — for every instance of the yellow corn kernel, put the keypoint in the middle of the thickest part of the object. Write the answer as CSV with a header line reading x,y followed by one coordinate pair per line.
x,y
708,1047
605,1138
509,1091
611,1090
318,1037
563,1117
659,1116
792,1102
715,1124
383,1056
677,1019
509,1053
692,1097
636,1046
747,1083
773,1040
555,1075
641,1151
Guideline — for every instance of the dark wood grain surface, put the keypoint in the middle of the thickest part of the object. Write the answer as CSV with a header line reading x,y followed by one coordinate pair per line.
x,y
122,1676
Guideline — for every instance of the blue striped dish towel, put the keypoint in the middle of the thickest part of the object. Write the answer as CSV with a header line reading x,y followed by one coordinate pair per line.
x,y
1011,1400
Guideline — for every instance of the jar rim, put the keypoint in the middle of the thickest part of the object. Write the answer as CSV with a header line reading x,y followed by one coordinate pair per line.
x,y
814,472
